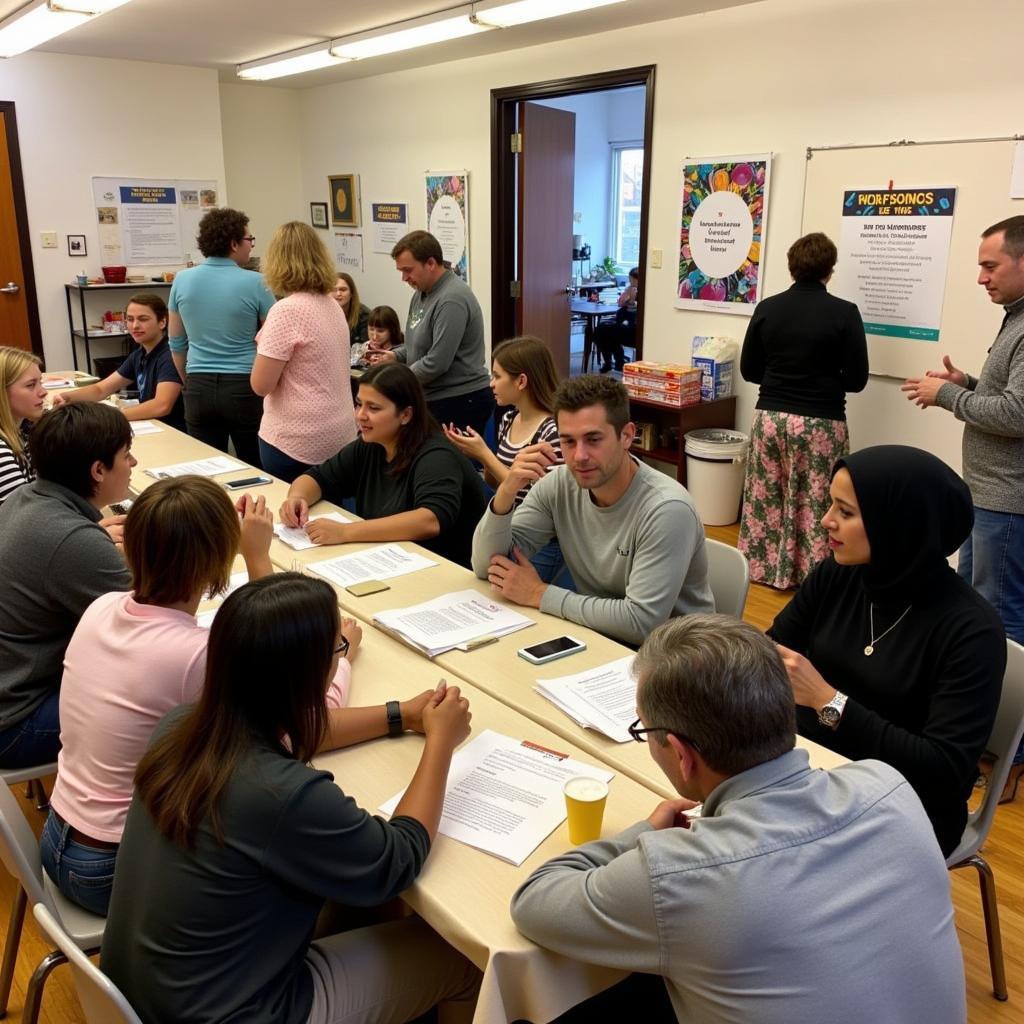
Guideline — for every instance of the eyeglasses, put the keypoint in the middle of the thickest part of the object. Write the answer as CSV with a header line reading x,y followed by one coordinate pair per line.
x,y
342,647
251,239
638,734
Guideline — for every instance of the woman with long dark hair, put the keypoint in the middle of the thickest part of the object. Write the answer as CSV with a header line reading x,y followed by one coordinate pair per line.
x,y
234,842
408,482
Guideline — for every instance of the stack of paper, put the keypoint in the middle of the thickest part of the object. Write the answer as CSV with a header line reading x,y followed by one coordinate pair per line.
x,y
145,427
201,467
49,383
442,624
296,536
504,796
602,698
383,563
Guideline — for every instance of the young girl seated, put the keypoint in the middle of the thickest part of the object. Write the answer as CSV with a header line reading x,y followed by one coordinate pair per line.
x,y
150,370
234,842
22,401
408,482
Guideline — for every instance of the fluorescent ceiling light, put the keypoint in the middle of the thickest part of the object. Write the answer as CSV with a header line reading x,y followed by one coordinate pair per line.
x,y
38,22
406,35
506,13
311,58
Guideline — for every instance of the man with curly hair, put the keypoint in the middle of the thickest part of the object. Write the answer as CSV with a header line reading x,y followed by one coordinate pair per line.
x,y
215,311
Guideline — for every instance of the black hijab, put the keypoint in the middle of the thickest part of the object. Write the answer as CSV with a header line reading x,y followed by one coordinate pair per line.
x,y
916,512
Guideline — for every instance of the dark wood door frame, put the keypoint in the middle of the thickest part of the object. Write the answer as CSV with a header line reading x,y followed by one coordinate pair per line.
x,y
503,182
21,215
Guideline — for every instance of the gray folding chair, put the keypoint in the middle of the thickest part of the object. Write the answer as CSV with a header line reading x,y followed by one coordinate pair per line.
x,y
12,776
101,999
728,576
1006,736
19,851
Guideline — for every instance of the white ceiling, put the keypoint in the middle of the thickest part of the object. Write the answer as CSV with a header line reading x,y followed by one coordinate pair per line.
x,y
222,33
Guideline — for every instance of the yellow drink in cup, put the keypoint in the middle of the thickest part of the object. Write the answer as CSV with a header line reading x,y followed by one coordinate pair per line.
x,y
584,802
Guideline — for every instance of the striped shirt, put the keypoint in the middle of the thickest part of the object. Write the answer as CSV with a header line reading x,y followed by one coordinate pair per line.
x,y
14,471
506,451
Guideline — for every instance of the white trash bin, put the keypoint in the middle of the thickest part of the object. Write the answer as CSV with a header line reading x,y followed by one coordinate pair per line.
x,y
715,466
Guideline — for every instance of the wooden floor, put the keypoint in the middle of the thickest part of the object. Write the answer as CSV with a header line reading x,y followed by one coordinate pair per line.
x,y
1005,853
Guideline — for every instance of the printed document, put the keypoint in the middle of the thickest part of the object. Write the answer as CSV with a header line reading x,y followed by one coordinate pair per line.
x,y
602,698
383,563
201,467
504,796
145,427
296,536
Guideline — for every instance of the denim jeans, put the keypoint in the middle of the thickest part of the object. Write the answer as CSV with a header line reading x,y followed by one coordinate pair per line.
x,y
84,874
278,464
35,739
551,567
472,410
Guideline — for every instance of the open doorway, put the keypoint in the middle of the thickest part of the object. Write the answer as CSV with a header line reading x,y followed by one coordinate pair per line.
x,y
569,212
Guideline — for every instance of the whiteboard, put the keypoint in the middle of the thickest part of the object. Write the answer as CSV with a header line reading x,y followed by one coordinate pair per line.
x,y
980,171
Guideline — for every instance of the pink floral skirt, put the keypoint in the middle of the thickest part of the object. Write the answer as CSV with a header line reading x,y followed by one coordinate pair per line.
x,y
786,494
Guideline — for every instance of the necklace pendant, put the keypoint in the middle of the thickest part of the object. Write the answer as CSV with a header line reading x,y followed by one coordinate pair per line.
x,y
869,650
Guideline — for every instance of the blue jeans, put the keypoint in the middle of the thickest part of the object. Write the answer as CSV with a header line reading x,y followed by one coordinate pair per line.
x,y
84,874
551,567
35,739
992,560
278,464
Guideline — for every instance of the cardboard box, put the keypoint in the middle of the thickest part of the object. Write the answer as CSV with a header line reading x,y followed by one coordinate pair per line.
x,y
715,357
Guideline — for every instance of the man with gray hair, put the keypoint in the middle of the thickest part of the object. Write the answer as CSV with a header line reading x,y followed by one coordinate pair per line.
x,y
797,896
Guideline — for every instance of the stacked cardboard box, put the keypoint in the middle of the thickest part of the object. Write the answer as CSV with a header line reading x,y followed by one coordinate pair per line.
x,y
671,384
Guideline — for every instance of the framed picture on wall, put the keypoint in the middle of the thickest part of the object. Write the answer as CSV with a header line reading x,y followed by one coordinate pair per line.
x,y
344,200
318,215
76,245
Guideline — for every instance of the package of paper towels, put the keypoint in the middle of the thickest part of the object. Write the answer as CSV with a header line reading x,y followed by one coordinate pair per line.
x,y
715,357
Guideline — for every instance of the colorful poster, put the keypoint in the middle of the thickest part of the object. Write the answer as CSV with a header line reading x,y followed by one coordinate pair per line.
x,y
893,252
348,251
448,217
390,222
721,233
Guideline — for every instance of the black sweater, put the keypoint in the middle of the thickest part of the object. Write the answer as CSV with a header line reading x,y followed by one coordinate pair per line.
x,y
924,702
806,349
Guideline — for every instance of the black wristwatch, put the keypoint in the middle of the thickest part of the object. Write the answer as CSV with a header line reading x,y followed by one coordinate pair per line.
x,y
394,713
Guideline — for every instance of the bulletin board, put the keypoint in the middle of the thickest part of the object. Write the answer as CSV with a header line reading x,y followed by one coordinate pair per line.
x,y
980,171
150,221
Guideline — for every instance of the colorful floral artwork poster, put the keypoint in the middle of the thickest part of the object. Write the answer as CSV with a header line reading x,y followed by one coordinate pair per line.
x,y
448,216
721,233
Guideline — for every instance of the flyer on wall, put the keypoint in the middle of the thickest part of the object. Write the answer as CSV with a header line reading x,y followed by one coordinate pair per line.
x,y
722,232
348,251
893,253
448,216
390,221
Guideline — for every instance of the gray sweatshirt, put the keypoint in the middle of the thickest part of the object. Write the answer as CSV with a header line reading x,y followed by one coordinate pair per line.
x,y
444,340
56,561
635,564
992,408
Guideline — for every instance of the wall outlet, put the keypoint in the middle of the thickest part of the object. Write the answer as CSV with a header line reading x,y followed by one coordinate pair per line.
x,y
656,259
49,239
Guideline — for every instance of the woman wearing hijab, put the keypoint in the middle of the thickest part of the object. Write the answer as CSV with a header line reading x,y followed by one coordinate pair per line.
x,y
892,655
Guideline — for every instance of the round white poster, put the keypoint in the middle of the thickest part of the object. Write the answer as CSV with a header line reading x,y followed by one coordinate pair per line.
x,y
721,233
448,226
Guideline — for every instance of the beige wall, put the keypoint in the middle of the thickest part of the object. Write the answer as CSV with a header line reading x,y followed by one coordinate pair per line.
x,y
83,116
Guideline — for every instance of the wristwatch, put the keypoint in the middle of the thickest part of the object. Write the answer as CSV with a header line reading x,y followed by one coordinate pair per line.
x,y
832,712
394,713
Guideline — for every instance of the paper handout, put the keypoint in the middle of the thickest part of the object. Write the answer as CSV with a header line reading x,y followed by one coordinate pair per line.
x,y
145,427
602,698
383,563
296,536
201,467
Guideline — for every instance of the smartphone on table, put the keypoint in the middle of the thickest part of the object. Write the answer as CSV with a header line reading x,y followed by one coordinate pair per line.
x,y
249,481
550,650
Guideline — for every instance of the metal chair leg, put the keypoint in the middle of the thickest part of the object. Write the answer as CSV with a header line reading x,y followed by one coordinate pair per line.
x,y
14,926
37,790
993,935
34,994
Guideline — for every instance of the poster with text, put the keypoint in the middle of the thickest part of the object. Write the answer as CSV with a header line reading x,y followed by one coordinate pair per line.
x,y
348,251
722,232
893,253
448,216
390,222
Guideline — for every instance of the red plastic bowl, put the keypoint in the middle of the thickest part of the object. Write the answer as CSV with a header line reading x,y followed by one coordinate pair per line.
x,y
114,275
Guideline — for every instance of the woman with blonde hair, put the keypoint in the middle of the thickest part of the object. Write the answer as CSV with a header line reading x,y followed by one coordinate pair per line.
x,y
22,400
357,316
302,358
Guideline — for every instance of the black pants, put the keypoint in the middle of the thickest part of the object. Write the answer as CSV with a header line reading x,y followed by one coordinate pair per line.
x,y
472,410
609,340
223,405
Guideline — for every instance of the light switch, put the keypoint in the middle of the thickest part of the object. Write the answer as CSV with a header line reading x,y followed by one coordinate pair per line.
x,y
49,239
656,259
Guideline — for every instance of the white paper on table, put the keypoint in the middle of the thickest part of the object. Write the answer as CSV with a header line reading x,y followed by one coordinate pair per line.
x,y
145,427
602,698
205,619
201,467
49,383
504,796
382,563
296,536
237,579
449,620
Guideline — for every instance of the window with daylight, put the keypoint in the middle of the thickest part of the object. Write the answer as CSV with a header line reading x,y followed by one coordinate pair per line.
x,y
627,182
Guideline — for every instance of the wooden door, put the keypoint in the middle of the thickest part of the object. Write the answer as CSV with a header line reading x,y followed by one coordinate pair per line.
x,y
19,319
544,250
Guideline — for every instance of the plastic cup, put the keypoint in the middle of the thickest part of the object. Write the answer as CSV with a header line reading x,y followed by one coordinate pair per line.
x,y
584,803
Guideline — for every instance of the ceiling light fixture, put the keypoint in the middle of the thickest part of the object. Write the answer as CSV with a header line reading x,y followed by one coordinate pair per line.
x,y
508,13
294,62
42,20
406,35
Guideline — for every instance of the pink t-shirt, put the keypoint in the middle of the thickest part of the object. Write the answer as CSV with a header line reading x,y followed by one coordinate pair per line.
x,y
309,415
127,665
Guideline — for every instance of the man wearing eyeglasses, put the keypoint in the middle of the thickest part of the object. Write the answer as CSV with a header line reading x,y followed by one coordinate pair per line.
x,y
216,309
797,896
